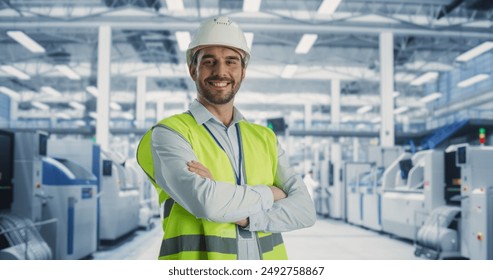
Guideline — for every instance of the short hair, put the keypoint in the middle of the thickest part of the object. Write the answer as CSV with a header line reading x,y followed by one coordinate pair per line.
x,y
195,59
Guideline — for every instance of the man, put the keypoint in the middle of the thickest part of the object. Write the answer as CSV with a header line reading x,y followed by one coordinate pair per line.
x,y
226,185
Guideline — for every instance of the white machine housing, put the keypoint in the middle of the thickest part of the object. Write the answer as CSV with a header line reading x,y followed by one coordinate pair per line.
x,y
73,203
120,204
354,173
477,201
407,202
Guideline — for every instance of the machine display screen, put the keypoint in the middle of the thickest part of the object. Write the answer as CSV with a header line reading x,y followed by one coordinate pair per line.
x,y
43,143
405,165
461,155
107,165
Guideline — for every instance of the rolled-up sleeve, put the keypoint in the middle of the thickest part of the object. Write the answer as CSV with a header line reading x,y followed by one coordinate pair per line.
x,y
204,198
293,212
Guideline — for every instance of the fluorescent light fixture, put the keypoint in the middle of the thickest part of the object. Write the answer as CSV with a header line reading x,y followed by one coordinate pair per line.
x,y
328,7
67,71
128,116
426,77
15,72
62,115
401,110
51,91
430,97
478,50
115,106
289,71
93,90
183,39
364,109
376,120
10,93
251,5
306,43
26,41
93,115
76,105
40,105
80,123
471,81
249,39
175,5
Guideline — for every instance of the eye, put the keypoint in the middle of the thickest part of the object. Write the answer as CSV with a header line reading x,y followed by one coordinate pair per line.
x,y
208,62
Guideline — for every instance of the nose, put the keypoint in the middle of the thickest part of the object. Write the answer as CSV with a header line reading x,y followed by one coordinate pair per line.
x,y
220,69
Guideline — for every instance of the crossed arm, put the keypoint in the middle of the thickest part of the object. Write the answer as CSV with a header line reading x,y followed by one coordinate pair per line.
x,y
272,209
199,169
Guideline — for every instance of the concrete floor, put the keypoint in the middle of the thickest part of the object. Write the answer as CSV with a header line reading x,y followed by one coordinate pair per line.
x,y
326,240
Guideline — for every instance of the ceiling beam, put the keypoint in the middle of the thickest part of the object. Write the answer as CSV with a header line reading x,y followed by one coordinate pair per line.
x,y
257,24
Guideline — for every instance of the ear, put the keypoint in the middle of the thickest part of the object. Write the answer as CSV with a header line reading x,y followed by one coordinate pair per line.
x,y
192,70
243,73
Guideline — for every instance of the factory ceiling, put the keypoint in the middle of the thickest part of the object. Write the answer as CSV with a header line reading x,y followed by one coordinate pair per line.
x,y
428,36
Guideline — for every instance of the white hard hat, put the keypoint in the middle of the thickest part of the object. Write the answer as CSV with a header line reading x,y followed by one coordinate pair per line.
x,y
219,31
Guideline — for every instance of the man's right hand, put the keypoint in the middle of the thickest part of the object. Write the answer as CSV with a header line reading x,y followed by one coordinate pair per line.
x,y
278,193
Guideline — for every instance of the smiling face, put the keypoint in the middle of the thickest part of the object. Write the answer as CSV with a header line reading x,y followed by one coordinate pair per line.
x,y
218,73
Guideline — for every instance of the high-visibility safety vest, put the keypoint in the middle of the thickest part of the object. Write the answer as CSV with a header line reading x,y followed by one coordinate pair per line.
x,y
189,238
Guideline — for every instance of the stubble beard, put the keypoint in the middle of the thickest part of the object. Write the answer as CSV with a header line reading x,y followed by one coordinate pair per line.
x,y
216,98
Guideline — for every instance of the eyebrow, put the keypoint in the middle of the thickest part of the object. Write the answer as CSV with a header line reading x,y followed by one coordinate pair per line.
x,y
205,56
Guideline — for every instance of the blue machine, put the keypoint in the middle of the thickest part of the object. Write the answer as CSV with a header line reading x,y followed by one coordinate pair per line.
x,y
73,202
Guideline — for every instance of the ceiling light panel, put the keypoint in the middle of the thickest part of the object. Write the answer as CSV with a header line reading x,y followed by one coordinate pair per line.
x,y
289,71
93,90
50,91
183,39
473,80
476,51
430,97
40,105
425,78
175,5
15,72
10,93
364,109
306,43
251,5
26,41
68,72
328,7
76,105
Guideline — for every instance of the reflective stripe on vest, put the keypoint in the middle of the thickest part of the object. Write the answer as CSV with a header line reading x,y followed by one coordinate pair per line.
x,y
185,236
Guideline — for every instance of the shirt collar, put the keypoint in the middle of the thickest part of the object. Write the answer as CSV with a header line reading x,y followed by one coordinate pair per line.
x,y
202,115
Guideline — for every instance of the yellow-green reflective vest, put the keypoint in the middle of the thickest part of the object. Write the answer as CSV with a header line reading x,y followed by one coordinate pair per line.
x,y
185,236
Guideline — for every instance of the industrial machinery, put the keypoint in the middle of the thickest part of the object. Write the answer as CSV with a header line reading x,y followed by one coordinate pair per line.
x,y
371,193
356,181
73,203
476,228
371,185
22,196
149,203
120,203
412,187
118,210
20,239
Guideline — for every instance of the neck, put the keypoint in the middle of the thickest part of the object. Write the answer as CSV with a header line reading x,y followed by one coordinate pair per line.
x,y
224,112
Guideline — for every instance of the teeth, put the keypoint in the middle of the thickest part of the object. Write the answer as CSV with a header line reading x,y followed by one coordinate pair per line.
x,y
219,84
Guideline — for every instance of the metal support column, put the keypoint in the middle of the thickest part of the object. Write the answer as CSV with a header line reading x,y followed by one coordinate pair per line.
x,y
103,112
140,102
387,138
335,100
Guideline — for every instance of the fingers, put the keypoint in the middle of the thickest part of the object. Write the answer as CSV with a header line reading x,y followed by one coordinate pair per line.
x,y
197,168
278,193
